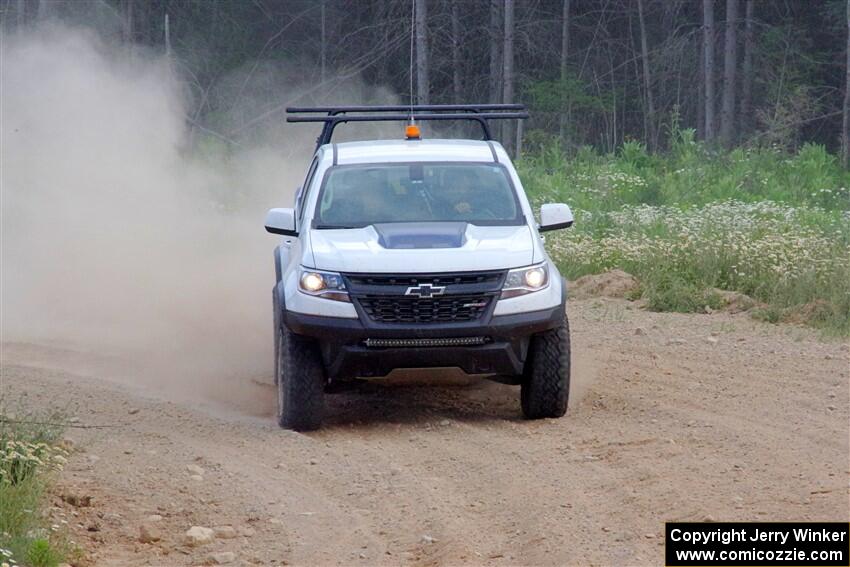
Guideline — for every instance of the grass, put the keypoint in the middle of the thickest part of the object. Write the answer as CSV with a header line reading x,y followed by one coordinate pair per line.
x,y
693,221
29,455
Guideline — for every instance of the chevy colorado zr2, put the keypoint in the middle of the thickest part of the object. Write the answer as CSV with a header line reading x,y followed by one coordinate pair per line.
x,y
415,253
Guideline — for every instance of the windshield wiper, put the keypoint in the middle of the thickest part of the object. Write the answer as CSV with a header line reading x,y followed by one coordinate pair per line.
x,y
336,226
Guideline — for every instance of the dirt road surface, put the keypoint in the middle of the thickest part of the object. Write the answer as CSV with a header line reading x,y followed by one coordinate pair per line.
x,y
673,417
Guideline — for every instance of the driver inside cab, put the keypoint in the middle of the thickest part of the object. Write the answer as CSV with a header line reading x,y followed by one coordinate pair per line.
x,y
462,195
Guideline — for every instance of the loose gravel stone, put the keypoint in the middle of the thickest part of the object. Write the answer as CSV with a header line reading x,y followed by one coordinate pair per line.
x,y
195,470
225,532
222,558
149,532
198,535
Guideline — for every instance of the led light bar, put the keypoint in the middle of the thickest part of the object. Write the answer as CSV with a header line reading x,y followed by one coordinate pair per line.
x,y
451,341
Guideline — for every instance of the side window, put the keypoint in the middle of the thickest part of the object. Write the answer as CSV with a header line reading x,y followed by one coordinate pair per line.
x,y
302,194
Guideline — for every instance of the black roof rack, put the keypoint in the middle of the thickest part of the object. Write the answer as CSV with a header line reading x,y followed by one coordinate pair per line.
x,y
334,115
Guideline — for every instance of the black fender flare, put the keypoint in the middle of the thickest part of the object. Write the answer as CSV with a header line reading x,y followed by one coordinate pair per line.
x,y
278,307
278,271
278,303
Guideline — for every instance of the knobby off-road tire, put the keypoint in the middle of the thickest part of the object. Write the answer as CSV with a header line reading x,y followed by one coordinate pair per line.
x,y
300,382
546,378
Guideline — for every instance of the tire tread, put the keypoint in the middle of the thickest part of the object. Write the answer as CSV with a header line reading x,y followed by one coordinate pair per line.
x,y
301,383
546,381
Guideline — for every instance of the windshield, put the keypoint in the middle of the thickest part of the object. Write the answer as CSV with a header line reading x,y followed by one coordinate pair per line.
x,y
360,195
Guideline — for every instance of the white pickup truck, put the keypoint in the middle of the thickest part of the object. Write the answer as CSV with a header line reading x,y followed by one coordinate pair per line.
x,y
414,253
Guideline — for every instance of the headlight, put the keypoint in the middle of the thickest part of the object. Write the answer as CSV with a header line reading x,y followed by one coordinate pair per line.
x,y
526,280
328,285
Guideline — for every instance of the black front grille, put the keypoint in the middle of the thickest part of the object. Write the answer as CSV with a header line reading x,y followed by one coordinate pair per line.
x,y
432,279
425,298
444,309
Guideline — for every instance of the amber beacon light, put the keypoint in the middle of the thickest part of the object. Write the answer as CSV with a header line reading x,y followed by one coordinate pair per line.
x,y
412,132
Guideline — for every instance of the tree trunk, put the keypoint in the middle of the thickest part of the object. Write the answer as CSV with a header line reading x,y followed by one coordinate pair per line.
x,y
647,80
323,48
747,71
495,52
144,21
845,134
382,66
701,94
21,13
422,86
508,96
44,9
565,50
730,65
662,75
127,31
167,39
708,54
456,84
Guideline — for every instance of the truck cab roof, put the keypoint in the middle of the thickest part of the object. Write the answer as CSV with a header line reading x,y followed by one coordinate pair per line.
x,y
385,151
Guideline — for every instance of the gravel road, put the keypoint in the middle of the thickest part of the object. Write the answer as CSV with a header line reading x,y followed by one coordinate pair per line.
x,y
672,417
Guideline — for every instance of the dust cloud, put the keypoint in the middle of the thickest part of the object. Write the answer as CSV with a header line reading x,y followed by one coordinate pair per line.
x,y
127,248
120,239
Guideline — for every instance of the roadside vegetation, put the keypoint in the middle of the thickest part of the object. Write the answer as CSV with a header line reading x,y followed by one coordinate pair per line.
x,y
30,453
694,222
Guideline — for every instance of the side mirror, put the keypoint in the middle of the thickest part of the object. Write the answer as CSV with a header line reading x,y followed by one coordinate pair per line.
x,y
554,216
281,221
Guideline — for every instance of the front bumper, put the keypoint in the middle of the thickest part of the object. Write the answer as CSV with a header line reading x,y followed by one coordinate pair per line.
x,y
343,343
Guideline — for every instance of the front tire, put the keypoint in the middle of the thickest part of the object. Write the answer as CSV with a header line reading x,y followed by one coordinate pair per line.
x,y
546,377
300,382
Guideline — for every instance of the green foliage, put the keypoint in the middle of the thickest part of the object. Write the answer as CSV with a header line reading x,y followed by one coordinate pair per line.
x,y
569,94
28,454
20,460
42,554
669,290
758,221
17,518
689,174
34,427
633,154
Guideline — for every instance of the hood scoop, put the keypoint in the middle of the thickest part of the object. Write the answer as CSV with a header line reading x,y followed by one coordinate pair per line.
x,y
411,236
